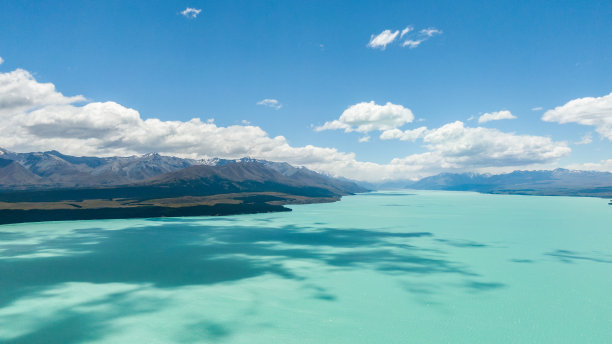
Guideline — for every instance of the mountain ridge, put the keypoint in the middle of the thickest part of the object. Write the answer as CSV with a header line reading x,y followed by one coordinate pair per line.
x,y
54,170
557,182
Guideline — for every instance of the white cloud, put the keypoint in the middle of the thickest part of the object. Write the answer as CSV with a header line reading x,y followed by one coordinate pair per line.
x,y
412,43
36,117
368,116
596,112
20,92
273,103
364,139
455,146
430,32
406,30
537,108
190,12
485,146
586,139
406,135
381,40
421,37
602,166
496,116
415,39
1,60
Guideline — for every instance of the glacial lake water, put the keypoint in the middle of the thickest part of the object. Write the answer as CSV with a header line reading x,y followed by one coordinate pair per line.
x,y
384,267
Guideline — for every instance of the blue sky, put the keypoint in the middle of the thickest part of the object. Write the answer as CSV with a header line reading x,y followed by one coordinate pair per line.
x,y
313,58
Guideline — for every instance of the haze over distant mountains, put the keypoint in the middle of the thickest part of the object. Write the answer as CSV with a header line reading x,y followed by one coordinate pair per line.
x,y
558,182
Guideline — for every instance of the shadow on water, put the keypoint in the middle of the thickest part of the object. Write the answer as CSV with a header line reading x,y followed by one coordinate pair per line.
x,y
208,329
567,256
375,194
74,328
476,286
461,243
522,261
177,252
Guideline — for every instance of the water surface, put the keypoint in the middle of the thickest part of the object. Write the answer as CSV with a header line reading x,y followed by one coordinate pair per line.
x,y
387,267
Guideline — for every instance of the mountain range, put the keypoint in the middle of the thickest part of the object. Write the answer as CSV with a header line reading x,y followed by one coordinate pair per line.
x,y
54,170
43,186
558,182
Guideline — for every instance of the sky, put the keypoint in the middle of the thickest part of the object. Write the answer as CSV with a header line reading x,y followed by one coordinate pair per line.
x,y
361,89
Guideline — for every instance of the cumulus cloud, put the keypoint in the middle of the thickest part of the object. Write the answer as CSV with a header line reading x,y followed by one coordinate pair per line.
x,y
496,116
381,40
368,116
456,146
273,103
108,128
35,117
406,135
190,12
20,92
592,111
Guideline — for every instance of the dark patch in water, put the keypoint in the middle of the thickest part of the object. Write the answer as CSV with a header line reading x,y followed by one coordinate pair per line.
x,y
326,297
522,261
216,331
483,286
566,256
461,243
71,329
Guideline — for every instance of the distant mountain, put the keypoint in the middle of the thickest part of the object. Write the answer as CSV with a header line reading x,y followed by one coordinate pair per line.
x,y
386,185
306,176
52,176
59,170
131,169
12,173
53,169
546,182
255,175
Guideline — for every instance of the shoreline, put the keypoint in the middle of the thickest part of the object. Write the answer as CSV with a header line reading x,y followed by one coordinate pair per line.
x,y
11,216
215,205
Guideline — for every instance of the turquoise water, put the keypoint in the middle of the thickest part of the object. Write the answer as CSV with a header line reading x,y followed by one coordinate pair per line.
x,y
386,267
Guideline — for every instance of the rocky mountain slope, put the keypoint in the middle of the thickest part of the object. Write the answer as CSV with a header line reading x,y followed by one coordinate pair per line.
x,y
53,170
52,177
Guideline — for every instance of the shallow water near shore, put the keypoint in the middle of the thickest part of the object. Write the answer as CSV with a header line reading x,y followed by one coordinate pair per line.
x,y
383,267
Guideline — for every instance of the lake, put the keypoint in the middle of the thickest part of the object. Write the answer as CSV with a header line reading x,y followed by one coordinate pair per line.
x,y
383,267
